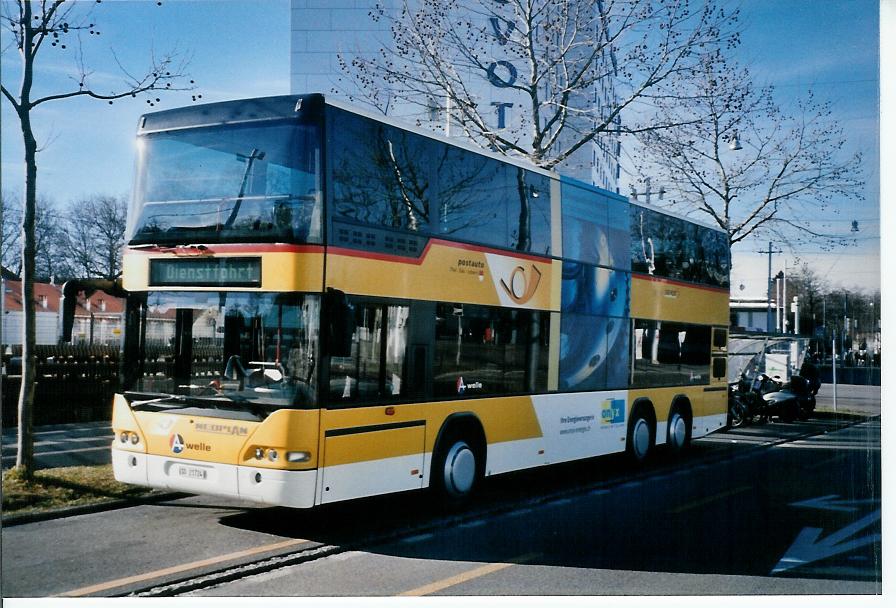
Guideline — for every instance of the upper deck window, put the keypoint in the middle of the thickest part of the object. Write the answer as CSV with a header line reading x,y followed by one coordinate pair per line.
x,y
228,184
396,180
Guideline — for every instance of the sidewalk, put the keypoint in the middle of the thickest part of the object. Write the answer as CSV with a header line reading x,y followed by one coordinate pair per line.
x,y
851,399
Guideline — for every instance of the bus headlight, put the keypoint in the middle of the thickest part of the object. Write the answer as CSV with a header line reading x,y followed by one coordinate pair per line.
x,y
126,436
272,455
259,453
298,456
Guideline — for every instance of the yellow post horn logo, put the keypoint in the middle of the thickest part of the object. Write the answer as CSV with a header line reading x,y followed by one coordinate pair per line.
x,y
521,288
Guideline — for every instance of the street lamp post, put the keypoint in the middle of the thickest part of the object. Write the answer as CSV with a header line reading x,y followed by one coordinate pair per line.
x,y
768,310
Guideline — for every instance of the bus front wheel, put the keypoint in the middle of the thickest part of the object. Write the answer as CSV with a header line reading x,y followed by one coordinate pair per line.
x,y
456,470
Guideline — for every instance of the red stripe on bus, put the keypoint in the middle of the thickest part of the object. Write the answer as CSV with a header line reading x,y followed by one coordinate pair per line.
x,y
391,257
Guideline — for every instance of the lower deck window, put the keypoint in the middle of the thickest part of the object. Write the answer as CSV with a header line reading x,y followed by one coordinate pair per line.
x,y
482,350
670,354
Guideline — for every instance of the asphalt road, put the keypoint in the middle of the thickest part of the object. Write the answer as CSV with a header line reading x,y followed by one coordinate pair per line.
x,y
770,509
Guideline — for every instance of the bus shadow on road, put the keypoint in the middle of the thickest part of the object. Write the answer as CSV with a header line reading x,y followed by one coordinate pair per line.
x,y
602,514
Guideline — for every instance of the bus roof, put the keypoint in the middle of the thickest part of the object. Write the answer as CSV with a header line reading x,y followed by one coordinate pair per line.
x,y
281,107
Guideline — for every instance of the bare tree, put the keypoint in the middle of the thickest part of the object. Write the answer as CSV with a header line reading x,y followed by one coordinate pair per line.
x,y
51,260
36,26
95,237
10,227
557,53
811,289
748,165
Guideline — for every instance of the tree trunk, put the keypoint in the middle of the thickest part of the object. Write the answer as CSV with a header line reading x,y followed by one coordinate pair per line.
x,y
25,440
25,443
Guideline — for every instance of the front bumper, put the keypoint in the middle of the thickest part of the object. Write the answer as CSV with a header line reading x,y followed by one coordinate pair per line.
x,y
269,486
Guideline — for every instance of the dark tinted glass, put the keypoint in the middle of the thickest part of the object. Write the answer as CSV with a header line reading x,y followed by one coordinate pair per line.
x,y
375,368
482,350
381,175
666,246
394,179
670,354
224,347
228,183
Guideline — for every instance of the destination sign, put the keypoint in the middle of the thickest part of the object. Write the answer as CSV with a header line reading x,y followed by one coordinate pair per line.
x,y
206,272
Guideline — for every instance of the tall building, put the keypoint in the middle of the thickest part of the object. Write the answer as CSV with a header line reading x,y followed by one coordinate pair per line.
x,y
322,31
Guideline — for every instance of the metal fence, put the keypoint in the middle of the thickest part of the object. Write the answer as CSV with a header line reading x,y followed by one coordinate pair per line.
x,y
74,383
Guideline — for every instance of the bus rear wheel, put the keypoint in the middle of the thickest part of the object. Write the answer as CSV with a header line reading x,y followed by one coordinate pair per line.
x,y
678,431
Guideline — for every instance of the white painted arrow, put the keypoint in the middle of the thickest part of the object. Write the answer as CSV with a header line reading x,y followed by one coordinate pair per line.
x,y
833,502
807,548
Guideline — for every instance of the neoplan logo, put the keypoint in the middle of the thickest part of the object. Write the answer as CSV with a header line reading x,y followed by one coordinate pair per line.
x,y
522,287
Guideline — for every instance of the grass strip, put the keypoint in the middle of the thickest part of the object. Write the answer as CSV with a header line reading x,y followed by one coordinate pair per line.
x,y
63,487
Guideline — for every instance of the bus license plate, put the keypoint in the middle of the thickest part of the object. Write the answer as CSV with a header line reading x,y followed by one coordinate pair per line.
x,y
191,472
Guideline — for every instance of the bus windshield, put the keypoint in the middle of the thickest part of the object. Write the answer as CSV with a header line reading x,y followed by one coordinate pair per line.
x,y
228,184
221,349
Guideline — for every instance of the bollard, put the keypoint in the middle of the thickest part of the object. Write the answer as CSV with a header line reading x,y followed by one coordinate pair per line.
x,y
834,370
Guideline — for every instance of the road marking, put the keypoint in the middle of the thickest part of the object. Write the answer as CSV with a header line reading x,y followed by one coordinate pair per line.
x,y
469,575
148,576
709,499
418,538
808,548
66,441
833,502
78,450
799,445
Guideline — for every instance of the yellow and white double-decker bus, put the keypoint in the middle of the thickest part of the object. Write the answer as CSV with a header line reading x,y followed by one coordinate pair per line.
x,y
324,305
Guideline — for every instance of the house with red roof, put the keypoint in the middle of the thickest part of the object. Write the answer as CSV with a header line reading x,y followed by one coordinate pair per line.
x,y
98,319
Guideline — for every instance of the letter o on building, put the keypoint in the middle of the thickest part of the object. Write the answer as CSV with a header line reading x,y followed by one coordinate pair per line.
x,y
496,80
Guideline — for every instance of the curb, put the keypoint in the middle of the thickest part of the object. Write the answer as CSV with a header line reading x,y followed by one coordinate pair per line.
x,y
832,415
98,507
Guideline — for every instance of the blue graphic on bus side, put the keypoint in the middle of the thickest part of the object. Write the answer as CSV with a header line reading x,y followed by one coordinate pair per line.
x,y
613,411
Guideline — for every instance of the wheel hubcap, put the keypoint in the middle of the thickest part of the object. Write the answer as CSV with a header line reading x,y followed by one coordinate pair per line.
x,y
641,438
460,469
677,431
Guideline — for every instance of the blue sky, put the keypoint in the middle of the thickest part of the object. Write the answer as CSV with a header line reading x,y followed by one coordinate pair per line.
x,y
240,48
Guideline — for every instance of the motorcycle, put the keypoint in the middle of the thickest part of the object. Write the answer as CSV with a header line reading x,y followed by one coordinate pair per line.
x,y
794,399
745,398
757,396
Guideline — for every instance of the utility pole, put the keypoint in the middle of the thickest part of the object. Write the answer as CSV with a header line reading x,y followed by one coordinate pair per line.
x,y
647,191
768,310
784,316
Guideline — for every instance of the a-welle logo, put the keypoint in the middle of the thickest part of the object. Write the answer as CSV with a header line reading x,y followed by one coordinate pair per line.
x,y
178,444
523,285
